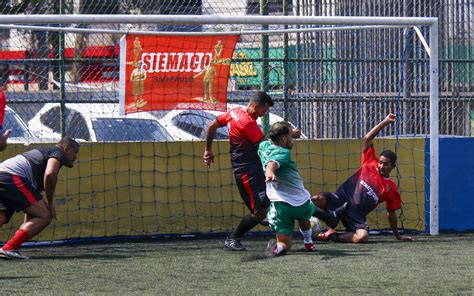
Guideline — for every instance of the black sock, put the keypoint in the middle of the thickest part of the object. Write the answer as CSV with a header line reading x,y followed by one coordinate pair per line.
x,y
248,222
321,214
329,217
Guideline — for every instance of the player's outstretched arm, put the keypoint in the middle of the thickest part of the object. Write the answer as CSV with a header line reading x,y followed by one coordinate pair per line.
x,y
3,139
393,221
369,137
208,155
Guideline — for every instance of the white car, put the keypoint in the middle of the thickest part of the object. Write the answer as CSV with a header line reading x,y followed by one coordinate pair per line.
x,y
20,132
96,122
191,125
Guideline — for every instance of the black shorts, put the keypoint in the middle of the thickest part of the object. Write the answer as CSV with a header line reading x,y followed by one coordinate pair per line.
x,y
17,193
252,188
354,218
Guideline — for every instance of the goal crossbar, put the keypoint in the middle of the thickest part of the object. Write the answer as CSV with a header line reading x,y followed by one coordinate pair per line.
x,y
203,33
214,19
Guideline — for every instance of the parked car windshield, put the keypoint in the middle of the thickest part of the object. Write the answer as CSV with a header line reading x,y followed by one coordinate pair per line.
x,y
76,125
128,129
19,129
195,122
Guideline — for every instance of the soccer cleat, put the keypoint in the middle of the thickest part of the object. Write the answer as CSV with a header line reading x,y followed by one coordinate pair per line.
x,y
325,236
310,247
12,254
270,250
234,244
335,215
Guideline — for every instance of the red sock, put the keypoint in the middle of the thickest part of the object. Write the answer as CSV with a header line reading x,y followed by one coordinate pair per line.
x,y
15,242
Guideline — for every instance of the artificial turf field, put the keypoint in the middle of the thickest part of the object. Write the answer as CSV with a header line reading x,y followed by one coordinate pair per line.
x,y
440,265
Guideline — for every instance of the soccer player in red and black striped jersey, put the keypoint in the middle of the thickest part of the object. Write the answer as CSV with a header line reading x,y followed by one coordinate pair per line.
x,y
364,190
244,137
22,179
3,145
4,136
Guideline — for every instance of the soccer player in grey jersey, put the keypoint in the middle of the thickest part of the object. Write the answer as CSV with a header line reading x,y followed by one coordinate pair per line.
x,y
22,179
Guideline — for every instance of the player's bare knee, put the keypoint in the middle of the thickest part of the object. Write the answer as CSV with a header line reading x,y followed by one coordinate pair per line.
x,y
44,216
361,237
358,240
361,240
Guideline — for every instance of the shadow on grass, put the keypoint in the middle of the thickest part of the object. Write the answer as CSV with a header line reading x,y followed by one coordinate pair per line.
x,y
81,256
332,253
329,254
253,256
326,254
17,277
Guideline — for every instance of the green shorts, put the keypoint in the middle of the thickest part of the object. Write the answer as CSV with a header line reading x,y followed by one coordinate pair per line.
x,y
282,215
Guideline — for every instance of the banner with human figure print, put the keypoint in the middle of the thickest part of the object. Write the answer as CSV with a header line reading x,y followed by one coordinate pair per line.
x,y
174,72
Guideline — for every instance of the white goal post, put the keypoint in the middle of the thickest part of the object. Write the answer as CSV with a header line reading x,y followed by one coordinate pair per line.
x,y
432,23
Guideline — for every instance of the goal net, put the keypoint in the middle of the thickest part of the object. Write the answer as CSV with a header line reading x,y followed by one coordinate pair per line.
x,y
142,174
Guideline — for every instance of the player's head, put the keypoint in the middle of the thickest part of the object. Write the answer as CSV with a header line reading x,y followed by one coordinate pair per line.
x,y
70,148
259,104
387,162
280,134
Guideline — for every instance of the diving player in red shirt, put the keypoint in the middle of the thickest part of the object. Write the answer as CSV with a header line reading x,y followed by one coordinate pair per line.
x,y
364,190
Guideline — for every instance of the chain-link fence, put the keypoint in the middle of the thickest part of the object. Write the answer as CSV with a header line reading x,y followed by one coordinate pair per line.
x,y
320,79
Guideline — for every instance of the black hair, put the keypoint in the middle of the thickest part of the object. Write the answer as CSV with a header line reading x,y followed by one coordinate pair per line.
x,y
278,130
390,155
261,98
68,142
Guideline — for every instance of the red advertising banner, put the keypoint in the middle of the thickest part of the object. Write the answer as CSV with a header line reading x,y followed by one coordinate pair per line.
x,y
174,72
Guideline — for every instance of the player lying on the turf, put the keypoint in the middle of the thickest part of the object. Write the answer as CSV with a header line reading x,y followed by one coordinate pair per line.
x,y
363,191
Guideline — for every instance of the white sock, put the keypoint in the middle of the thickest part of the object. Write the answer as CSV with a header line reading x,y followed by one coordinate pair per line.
x,y
307,236
278,249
